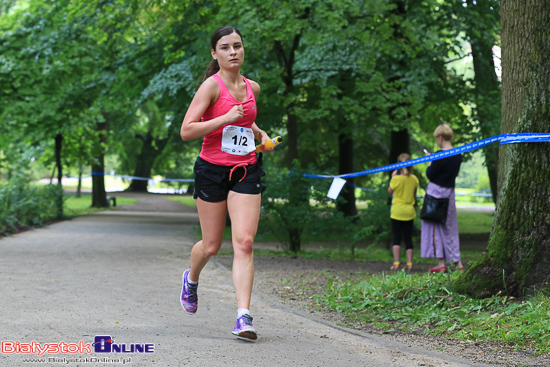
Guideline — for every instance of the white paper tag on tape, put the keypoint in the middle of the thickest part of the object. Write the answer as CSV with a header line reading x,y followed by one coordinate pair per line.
x,y
337,185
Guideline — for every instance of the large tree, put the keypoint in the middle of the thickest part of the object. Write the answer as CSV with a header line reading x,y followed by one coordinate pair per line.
x,y
516,258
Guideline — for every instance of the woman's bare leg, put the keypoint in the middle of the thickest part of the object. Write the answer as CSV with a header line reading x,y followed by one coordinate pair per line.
x,y
244,211
212,218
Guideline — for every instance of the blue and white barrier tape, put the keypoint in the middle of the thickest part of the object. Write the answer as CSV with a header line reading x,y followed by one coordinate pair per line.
x,y
337,184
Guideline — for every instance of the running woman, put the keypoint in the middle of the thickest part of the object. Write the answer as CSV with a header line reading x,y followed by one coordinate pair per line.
x,y
227,176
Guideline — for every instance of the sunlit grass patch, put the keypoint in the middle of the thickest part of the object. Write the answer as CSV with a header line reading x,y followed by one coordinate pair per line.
x,y
185,200
481,222
74,206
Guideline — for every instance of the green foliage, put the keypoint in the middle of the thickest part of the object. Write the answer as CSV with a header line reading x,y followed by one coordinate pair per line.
x,y
24,205
314,214
409,302
317,218
363,67
376,216
473,173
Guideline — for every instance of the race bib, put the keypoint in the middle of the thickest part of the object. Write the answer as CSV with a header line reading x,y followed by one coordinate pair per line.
x,y
237,140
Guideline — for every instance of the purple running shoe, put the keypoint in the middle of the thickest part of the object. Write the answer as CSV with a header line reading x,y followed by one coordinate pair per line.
x,y
244,329
189,298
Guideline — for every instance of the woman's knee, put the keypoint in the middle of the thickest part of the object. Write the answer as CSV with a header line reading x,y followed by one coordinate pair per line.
x,y
210,249
244,246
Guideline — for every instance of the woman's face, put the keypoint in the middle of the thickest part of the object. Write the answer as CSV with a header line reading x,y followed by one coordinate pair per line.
x,y
229,52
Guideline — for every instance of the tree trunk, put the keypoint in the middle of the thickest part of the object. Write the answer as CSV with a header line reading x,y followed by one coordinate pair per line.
x,y
400,143
53,173
59,165
487,86
58,148
99,197
287,62
79,186
344,127
345,165
292,139
296,196
150,150
515,261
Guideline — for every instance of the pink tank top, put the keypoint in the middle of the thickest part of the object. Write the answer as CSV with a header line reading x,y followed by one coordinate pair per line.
x,y
211,146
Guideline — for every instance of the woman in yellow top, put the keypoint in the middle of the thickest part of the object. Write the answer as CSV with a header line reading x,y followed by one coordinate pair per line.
x,y
403,188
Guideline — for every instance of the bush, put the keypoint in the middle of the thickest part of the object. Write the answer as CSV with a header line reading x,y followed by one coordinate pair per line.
x,y
294,206
376,217
24,205
297,209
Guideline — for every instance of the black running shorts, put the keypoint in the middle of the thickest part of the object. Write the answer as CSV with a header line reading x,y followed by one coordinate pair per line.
x,y
212,182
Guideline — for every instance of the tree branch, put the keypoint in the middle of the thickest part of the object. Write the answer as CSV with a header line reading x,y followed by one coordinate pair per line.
x,y
460,58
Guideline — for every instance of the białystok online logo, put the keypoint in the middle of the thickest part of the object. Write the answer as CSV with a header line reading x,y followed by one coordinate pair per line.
x,y
105,344
101,344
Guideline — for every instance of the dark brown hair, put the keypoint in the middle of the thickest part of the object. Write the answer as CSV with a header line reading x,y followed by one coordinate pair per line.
x,y
214,67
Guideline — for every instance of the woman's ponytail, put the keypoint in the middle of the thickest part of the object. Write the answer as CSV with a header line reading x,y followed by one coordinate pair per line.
x,y
213,68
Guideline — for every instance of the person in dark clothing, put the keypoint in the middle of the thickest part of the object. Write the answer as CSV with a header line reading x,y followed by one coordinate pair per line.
x,y
441,240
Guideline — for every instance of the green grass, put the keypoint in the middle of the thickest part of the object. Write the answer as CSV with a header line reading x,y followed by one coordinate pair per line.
x,y
463,198
374,253
472,223
185,200
403,302
75,207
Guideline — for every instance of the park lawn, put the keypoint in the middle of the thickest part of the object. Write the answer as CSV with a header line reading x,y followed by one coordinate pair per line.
x,y
184,199
74,207
475,222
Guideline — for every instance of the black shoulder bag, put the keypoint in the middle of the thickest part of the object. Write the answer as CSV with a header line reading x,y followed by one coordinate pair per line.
x,y
434,209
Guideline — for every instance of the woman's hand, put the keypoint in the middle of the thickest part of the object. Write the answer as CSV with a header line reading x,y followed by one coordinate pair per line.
x,y
265,138
236,112
394,173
